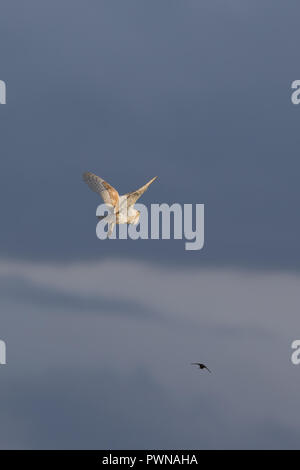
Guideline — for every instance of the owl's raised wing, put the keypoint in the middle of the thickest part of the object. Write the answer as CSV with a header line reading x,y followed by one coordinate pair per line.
x,y
108,193
135,195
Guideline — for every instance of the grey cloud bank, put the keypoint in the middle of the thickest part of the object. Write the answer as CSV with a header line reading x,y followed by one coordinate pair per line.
x,y
123,379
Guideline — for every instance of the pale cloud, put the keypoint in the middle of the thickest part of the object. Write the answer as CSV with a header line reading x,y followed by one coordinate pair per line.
x,y
235,297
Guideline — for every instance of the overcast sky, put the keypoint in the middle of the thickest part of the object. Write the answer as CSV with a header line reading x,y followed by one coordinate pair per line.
x,y
100,334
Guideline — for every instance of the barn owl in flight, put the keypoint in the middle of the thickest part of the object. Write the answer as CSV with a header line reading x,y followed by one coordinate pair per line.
x,y
121,208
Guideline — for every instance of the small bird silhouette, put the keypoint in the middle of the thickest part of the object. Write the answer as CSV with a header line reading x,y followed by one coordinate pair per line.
x,y
201,366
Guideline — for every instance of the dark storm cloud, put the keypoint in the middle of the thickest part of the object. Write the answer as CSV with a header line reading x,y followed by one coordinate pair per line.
x,y
196,93
110,410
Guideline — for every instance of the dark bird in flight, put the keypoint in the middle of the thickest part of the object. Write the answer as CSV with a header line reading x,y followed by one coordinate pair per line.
x,y
201,366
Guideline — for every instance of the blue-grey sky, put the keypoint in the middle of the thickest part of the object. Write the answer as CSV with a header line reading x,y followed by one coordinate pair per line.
x,y
195,92
100,334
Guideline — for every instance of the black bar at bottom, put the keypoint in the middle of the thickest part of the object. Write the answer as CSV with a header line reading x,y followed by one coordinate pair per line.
x,y
132,458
